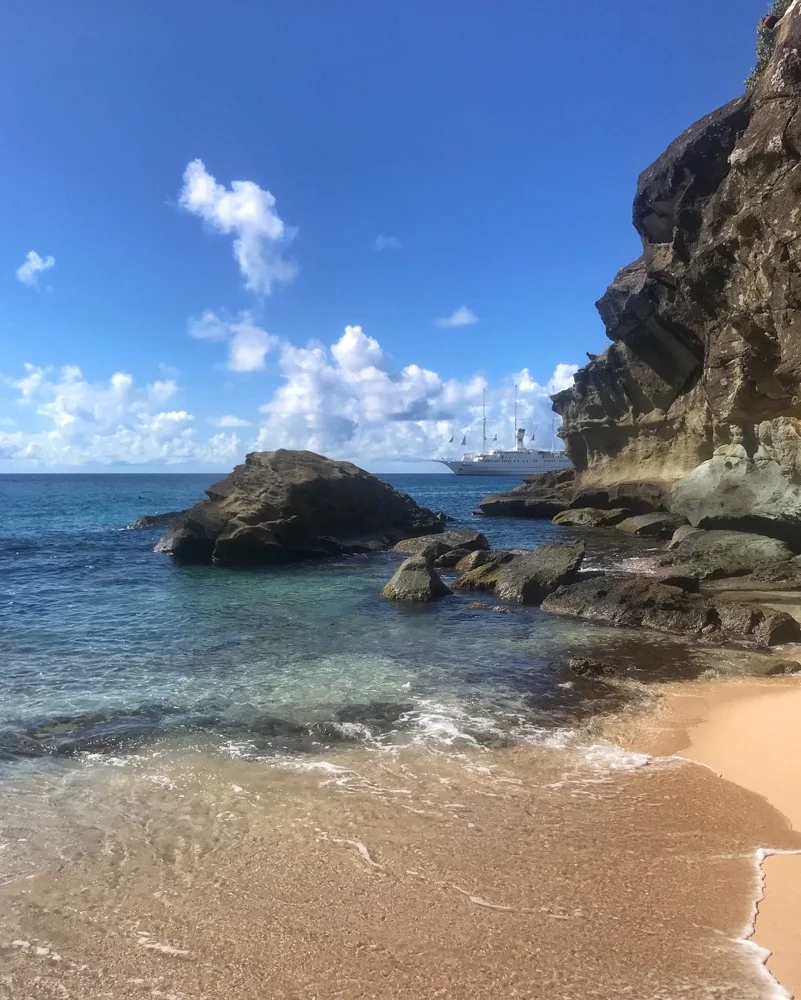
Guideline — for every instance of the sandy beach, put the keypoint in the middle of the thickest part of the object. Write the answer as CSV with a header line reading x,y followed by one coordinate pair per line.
x,y
747,732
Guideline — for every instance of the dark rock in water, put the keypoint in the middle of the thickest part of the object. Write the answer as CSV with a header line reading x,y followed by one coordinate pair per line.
x,y
651,525
155,520
525,577
640,603
519,505
288,505
591,517
583,667
449,560
784,667
415,581
713,554
442,542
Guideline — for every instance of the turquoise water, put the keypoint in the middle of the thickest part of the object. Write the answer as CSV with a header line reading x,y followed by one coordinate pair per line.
x,y
106,645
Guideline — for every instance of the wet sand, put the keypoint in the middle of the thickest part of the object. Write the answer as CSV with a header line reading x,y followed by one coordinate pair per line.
x,y
748,732
545,874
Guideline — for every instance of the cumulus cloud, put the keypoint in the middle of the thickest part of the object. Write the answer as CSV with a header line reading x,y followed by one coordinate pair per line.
x,y
387,243
248,344
347,400
29,271
77,422
247,212
459,317
229,421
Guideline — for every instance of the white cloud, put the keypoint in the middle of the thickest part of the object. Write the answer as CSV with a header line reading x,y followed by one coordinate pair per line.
x,y
459,317
248,344
28,272
346,400
247,212
229,421
387,243
76,422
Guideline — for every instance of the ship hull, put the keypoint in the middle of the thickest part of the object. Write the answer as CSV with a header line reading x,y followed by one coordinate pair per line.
x,y
518,469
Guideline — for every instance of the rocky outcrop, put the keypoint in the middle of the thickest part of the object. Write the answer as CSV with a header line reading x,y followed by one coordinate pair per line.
x,y
641,603
703,375
525,577
415,582
286,505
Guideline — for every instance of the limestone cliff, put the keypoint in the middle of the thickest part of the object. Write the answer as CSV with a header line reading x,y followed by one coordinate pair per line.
x,y
706,325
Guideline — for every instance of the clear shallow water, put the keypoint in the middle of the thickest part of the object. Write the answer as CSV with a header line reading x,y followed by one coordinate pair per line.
x,y
105,644
463,857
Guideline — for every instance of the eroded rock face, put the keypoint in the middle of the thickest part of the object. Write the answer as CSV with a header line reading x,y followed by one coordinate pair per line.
x,y
591,517
525,577
284,505
706,324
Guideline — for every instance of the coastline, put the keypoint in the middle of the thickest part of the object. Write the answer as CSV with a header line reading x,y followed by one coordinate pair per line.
x,y
745,730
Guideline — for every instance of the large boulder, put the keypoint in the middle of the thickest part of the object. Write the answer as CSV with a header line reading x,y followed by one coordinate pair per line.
x,y
591,517
733,491
415,582
525,577
641,603
714,554
284,505
445,541
651,525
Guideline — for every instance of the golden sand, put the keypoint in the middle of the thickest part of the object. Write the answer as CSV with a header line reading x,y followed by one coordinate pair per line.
x,y
531,873
749,732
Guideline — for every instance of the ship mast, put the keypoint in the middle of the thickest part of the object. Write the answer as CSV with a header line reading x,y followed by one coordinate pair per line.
x,y
515,437
484,422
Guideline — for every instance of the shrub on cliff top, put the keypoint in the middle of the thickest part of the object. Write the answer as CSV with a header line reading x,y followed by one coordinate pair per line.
x,y
766,40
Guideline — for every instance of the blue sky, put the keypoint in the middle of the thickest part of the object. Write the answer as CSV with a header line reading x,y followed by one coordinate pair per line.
x,y
405,164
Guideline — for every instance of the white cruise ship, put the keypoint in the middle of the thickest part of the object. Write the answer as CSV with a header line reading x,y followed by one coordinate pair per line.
x,y
521,461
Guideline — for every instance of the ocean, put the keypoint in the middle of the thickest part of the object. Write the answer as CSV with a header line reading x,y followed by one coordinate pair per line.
x,y
212,780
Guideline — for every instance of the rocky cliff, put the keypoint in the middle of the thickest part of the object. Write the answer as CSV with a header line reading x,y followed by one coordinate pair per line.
x,y
704,368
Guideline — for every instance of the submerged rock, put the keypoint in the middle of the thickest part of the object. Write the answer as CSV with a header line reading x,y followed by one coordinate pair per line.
x,y
284,505
591,517
641,603
585,667
415,581
525,577
651,525
714,554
